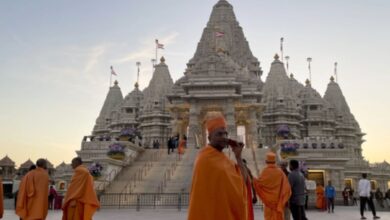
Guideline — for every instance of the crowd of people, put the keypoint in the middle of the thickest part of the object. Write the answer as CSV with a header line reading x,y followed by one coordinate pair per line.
x,y
35,197
226,189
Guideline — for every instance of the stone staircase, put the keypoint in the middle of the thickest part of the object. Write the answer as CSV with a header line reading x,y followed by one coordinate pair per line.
x,y
180,181
154,171
132,175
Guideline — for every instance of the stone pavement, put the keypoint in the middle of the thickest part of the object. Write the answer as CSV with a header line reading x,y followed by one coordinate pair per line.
x,y
341,213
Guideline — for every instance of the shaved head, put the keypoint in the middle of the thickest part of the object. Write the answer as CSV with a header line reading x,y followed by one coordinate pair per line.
x,y
42,163
77,161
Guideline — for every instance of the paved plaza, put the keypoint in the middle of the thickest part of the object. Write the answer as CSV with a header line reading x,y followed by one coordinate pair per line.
x,y
341,213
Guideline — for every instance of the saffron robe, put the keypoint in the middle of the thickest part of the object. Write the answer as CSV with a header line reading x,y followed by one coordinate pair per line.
x,y
249,198
1,199
180,149
320,201
218,189
33,195
80,201
274,190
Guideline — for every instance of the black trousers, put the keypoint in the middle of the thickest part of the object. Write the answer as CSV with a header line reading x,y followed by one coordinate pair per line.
x,y
298,212
363,201
330,203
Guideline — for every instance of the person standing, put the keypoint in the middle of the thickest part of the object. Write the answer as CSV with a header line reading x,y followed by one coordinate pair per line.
x,y
297,199
251,192
32,200
52,196
379,197
80,201
283,165
330,194
364,187
273,188
320,201
218,188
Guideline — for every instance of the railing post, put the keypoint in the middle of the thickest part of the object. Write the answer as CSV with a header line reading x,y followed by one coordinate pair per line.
x,y
179,202
120,200
138,202
154,201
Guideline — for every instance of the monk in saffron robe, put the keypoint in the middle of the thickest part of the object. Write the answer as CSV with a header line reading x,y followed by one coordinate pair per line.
x,y
218,188
181,148
80,201
273,188
33,193
320,201
1,199
251,192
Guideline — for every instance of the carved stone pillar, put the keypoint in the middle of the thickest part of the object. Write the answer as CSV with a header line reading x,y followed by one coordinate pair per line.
x,y
252,128
230,119
192,124
174,121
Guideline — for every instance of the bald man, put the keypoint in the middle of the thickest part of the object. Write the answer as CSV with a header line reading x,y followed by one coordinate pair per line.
x,y
80,201
33,193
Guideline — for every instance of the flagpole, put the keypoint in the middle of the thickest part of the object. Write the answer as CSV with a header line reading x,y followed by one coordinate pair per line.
x,y
335,71
109,86
156,48
138,65
281,48
309,59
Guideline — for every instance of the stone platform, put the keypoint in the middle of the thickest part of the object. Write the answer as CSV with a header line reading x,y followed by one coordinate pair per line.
x,y
341,212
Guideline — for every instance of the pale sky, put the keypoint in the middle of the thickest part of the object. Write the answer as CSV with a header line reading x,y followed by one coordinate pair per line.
x,y
55,58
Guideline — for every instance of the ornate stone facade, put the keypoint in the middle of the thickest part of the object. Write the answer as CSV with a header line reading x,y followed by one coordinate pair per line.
x,y
223,75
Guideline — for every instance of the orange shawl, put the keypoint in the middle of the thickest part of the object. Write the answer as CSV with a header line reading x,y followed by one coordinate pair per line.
x,y
274,190
218,189
180,149
33,195
320,201
1,199
80,201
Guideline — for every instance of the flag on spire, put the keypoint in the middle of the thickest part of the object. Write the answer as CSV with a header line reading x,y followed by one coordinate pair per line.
x,y
158,45
112,71
219,34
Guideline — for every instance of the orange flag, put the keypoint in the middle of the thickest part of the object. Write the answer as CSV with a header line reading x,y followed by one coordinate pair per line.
x,y
218,189
33,195
80,201
274,190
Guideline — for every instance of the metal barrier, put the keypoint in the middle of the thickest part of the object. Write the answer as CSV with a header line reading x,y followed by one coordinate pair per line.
x,y
144,200
140,201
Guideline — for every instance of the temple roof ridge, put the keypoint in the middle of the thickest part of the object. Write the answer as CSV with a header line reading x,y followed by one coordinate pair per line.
x,y
27,164
224,35
113,99
159,86
6,161
335,97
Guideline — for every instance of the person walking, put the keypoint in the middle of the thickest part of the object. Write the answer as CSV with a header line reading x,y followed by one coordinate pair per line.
x,y
297,199
330,194
32,202
364,187
273,188
80,202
